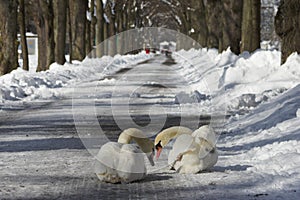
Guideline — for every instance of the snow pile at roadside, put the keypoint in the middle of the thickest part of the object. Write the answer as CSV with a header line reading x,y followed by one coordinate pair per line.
x,y
267,142
24,85
264,144
261,141
244,81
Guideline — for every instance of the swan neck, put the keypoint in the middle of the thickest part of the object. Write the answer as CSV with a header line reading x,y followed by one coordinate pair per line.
x,y
124,138
133,134
171,133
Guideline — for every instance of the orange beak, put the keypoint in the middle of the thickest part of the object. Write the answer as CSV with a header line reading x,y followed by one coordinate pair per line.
x,y
158,151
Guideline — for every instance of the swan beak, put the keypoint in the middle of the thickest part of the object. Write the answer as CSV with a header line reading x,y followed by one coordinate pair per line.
x,y
158,151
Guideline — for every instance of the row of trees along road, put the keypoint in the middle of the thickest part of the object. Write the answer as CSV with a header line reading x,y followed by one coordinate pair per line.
x,y
65,24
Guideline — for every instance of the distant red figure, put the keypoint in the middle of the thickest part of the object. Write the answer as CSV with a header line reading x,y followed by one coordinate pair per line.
x,y
147,50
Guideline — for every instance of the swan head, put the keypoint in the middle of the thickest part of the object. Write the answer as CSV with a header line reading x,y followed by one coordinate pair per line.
x,y
159,145
164,137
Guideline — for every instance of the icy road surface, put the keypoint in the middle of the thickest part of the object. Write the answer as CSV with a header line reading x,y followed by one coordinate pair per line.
x,y
44,153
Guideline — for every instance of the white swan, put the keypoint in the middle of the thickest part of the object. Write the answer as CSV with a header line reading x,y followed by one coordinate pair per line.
x,y
192,152
124,162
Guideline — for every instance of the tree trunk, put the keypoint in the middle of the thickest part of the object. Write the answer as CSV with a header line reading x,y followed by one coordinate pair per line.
x,y
111,29
93,27
251,25
231,25
78,10
185,25
22,26
224,19
99,30
44,24
105,35
70,38
119,22
287,27
213,10
60,29
125,23
8,36
198,18
130,19
88,46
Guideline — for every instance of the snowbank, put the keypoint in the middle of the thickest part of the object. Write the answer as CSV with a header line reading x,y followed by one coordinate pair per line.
x,y
27,86
244,81
267,140
262,137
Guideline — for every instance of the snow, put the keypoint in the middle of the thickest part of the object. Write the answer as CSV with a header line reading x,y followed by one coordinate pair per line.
x,y
178,19
244,81
89,15
259,145
27,86
104,3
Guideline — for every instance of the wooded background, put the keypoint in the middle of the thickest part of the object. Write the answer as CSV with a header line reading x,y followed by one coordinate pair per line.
x,y
76,26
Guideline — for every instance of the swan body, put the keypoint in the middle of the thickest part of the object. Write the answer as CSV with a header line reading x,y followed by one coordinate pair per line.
x,y
191,152
124,162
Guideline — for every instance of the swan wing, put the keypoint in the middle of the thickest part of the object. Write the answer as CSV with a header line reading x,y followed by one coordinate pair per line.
x,y
106,161
208,155
205,137
120,163
183,143
131,165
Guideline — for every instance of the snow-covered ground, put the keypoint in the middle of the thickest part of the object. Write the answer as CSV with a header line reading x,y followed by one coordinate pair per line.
x,y
264,129
24,86
259,144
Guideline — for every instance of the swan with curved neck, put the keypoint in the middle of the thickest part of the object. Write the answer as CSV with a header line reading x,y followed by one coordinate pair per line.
x,y
122,161
192,151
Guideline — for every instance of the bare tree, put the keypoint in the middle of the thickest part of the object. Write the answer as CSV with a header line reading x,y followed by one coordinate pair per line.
x,y
119,9
93,26
251,25
8,36
42,11
224,20
22,26
88,45
70,34
287,26
60,29
99,29
185,25
78,10
198,18
231,18
213,21
109,11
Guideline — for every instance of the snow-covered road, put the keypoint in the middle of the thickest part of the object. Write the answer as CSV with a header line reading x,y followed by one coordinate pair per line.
x,y
47,149
42,155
